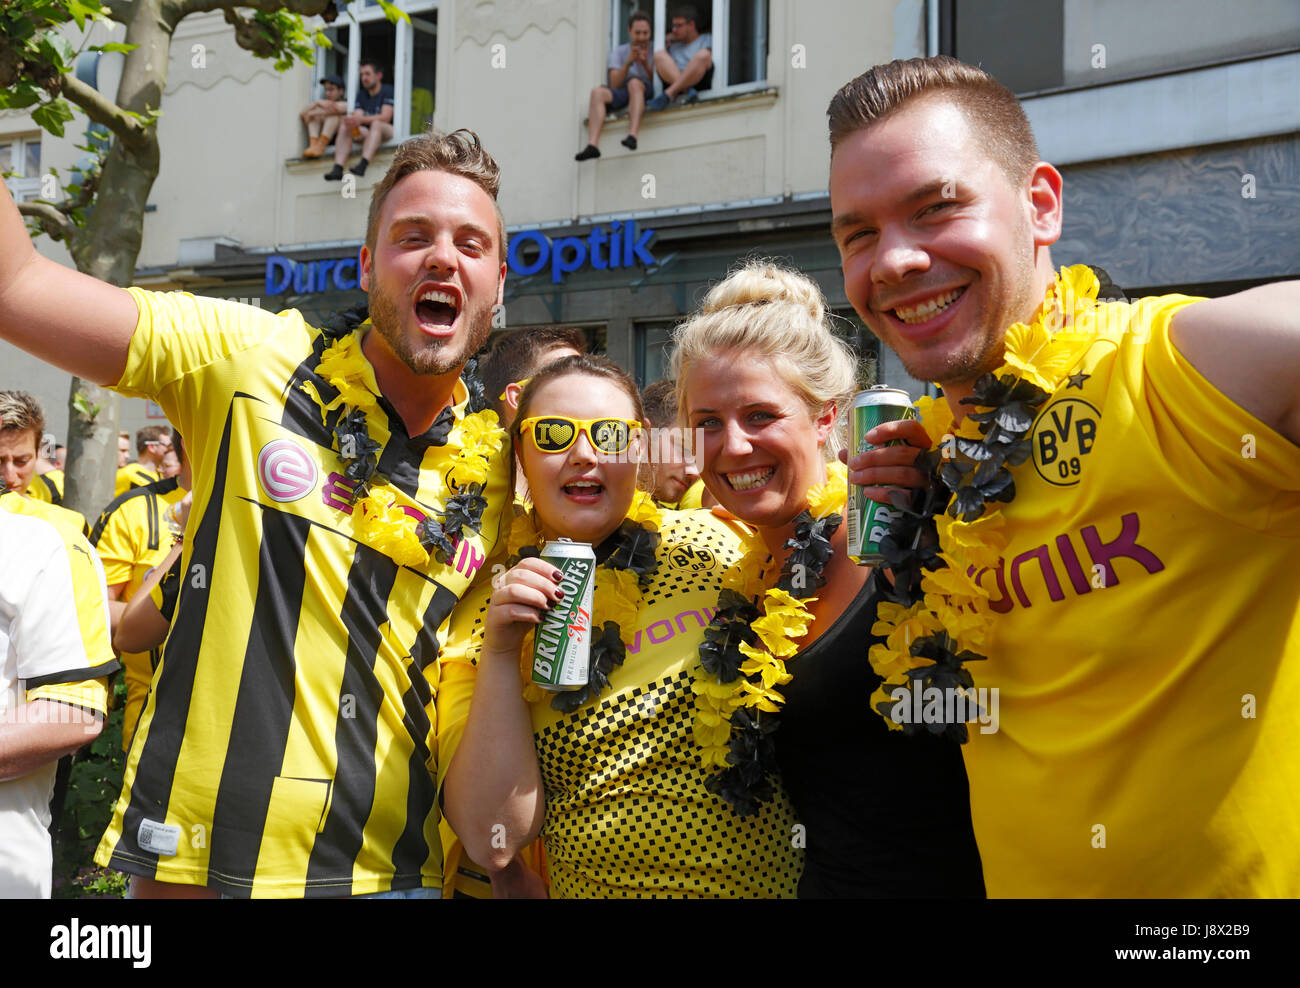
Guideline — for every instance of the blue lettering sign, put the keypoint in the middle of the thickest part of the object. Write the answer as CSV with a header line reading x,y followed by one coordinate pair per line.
x,y
512,256
344,282
278,272
621,246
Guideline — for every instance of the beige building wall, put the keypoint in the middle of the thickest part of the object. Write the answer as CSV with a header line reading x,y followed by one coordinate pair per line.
x,y
518,72
522,78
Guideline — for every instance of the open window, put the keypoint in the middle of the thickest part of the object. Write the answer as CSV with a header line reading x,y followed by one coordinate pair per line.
x,y
407,54
738,33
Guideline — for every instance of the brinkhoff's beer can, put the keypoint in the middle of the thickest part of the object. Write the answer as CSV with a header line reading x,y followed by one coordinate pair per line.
x,y
562,642
869,520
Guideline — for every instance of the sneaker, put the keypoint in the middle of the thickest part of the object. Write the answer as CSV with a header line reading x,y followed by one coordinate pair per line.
x,y
590,151
660,102
681,99
359,168
629,142
335,174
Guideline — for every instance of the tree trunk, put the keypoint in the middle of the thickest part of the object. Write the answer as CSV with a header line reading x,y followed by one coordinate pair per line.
x,y
109,244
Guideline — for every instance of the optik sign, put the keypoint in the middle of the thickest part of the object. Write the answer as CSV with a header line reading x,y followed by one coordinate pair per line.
x,y
621,246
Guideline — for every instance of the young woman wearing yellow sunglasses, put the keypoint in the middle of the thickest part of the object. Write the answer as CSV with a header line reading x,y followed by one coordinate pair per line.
x,y
610,776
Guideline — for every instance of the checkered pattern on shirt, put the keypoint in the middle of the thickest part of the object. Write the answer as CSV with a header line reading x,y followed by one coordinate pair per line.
x,y
627,814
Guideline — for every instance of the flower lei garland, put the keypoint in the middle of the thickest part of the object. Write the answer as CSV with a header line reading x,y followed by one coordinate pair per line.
x,y
943,538
621,580
742,657
383,523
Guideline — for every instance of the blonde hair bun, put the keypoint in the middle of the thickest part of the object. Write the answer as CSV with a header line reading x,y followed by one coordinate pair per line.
x,y
762,282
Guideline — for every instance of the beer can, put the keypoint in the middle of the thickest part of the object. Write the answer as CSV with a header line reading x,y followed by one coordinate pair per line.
x,y
562,642
869,520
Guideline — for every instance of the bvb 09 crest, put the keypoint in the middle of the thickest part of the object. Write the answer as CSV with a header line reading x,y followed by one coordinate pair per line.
x,y
1063,436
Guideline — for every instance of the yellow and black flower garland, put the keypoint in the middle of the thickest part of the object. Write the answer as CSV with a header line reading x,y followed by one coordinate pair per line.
x,y
382,523
746,645
945,537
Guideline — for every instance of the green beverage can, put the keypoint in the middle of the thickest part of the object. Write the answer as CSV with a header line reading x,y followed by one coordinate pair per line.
x,y
869,520
562,642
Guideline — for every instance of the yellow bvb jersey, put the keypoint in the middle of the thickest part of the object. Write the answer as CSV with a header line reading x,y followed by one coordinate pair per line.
x,y
47,487
64,519
132,537
76,591
627,814
131,476
285,748
1146,641
53,646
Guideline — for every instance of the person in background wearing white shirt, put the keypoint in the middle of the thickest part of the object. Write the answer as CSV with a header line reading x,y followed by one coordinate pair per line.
x,y
55,658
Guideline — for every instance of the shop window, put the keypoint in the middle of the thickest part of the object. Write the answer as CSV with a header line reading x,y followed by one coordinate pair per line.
x,y
406,53
738,29
653,351
20,163
1036,45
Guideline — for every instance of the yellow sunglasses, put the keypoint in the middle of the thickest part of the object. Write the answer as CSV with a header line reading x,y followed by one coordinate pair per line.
x,y
556,433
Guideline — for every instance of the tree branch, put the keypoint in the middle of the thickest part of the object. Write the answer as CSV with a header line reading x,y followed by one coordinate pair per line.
x,y
57,225
118,10
180,8
102,110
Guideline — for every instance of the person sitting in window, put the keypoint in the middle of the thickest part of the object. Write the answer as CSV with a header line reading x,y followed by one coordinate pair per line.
x,y
630,81
371,122
322,118
685,62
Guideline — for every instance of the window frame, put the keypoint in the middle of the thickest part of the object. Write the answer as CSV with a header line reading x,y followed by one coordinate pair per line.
x,y
720,21
641,346
23,187
352,16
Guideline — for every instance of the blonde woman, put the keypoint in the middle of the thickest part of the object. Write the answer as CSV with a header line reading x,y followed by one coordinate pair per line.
x,y
761,381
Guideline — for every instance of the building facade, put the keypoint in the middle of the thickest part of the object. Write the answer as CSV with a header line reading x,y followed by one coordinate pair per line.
x,y
1176,124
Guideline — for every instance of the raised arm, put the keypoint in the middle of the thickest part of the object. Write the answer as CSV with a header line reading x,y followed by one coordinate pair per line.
x,y
1248,346
59,315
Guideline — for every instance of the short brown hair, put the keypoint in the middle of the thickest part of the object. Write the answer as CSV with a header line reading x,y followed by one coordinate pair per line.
x,y
992,109
150,434
19,411
660,401
640,15
515,355
458,153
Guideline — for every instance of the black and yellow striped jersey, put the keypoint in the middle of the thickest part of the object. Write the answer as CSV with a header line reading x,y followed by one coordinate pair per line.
x,y
132,536
131,476
627,811
285,749
47,487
